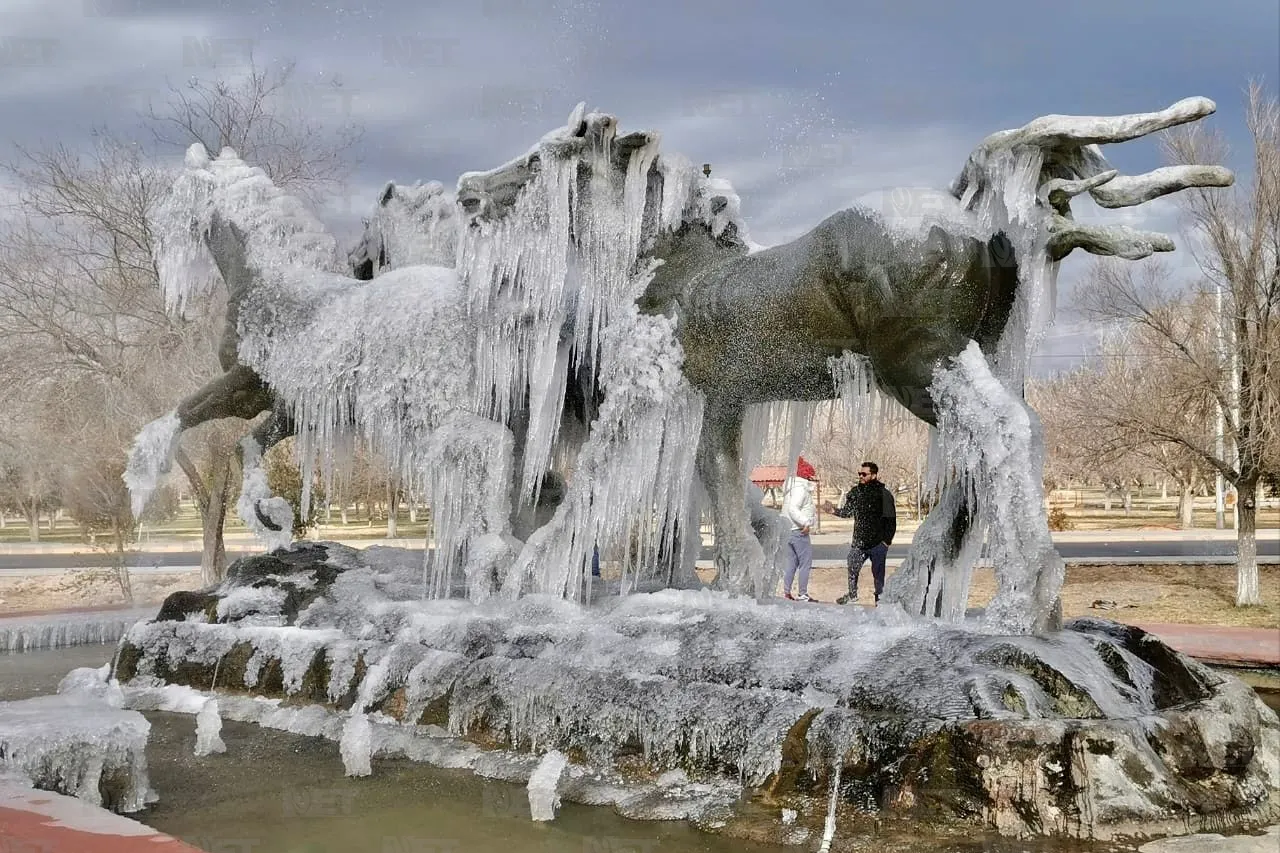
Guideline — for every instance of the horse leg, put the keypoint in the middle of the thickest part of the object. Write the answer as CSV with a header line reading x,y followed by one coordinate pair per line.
x,y
238,393
934,579
269,517
739,558
1002,495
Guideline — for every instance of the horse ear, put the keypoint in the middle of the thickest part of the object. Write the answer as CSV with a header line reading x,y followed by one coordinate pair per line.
x,y
387,192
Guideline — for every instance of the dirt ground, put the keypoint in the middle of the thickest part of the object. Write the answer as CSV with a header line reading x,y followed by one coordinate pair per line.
x,y
88,588
1190,595
1196,595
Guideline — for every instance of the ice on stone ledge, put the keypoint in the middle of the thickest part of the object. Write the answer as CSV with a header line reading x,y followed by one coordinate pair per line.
x,y
544,786
92,683
209,729
77,744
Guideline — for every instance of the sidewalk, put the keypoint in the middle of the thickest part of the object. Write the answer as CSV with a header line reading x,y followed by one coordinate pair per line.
x,y
44,822
1218,645
833,533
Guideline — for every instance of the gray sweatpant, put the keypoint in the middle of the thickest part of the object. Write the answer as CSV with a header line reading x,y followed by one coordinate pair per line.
x,y
799,556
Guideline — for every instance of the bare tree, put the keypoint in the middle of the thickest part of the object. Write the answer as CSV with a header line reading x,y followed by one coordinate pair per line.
x,y
78,281
268,117
265,117
1239,253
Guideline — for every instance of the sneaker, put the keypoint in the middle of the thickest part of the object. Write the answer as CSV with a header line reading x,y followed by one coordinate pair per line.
x,y
804,596
877,601
847,599
788,596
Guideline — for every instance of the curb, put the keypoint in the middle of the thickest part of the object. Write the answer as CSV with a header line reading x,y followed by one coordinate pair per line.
x,y
52,823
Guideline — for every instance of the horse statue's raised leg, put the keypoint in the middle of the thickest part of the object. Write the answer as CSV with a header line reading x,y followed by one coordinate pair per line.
x,y
740,561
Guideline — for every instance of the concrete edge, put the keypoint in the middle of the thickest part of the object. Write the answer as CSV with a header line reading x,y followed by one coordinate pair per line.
x,y
46,822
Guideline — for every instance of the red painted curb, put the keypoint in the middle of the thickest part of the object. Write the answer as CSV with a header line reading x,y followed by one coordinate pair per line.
x,y
34,821
1218,644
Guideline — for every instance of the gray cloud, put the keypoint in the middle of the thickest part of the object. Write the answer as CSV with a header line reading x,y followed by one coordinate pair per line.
x,y
804,106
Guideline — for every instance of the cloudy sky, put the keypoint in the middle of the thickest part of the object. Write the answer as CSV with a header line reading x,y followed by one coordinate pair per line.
x,y
805,105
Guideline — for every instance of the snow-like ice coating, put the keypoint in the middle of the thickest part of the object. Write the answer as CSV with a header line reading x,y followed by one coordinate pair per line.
x,y
79,742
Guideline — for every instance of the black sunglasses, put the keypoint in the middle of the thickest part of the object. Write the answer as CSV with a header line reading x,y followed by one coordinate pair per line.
x,y
864,473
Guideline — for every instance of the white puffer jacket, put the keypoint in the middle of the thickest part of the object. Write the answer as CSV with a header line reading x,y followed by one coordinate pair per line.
x,y
797,503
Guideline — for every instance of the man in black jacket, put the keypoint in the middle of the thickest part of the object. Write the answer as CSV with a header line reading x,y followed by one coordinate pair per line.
x,y
875,521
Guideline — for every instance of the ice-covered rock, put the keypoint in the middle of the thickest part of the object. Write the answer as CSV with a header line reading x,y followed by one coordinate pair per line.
x,y
701,688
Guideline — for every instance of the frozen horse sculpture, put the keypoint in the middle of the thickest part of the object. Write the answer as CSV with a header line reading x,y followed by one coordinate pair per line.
x,y
557,250
942,315
410,225
339,358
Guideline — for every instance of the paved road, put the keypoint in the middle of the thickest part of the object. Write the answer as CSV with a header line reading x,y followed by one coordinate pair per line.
x,y
18,565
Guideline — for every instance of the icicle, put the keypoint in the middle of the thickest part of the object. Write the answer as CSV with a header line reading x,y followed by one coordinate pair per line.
x,y
356,745
209,729
829,831
544,784
150,458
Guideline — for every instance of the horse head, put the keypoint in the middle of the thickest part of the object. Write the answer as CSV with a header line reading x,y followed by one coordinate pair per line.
x,y
410,225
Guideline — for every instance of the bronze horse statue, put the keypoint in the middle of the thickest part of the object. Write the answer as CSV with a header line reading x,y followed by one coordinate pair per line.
x,y
758,327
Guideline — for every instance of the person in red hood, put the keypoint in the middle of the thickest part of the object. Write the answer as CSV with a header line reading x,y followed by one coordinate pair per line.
x,y
799,509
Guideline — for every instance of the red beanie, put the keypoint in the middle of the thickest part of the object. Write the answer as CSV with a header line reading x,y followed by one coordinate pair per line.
x,y
805,471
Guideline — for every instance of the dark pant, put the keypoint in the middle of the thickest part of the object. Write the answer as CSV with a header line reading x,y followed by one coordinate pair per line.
x,y
858,555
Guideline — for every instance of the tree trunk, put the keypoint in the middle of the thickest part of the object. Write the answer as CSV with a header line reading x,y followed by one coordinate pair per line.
x,y
1106,500
122,564
1186,506
345,520
33,521
211,499
391,510
1164,490
1247,544
328,512
213,555
1127,497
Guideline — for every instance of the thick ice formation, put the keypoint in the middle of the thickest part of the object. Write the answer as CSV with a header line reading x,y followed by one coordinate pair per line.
x,y
357,745
150,458
209,729
430,364
991,440
80,744
35,633
544,786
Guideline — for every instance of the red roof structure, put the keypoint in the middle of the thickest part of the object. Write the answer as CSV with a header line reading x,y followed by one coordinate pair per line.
x,y
769,476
